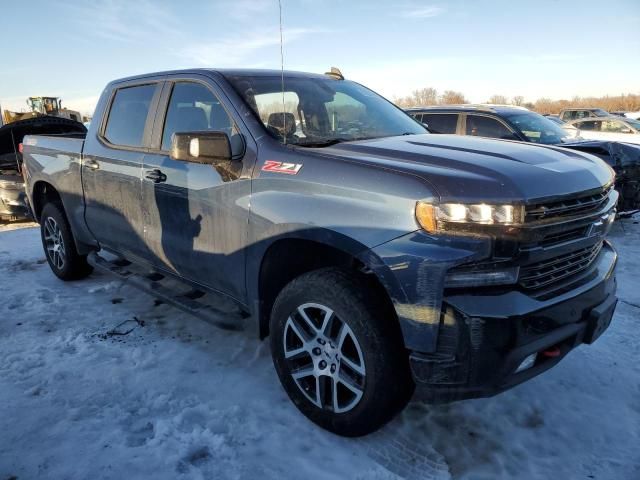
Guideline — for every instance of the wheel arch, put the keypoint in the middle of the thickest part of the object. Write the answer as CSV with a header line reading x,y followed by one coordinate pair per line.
x,y
289,256
42,193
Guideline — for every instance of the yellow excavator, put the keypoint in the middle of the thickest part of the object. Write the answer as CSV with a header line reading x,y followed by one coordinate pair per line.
x,y
39,106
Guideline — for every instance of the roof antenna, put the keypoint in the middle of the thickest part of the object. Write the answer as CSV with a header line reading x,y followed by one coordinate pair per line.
x,y
284,113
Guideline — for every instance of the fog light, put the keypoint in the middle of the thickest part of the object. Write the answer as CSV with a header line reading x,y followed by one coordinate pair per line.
x,y
478,278
527,363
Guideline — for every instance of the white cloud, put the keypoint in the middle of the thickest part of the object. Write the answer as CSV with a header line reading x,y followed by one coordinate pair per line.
x,y
247,10
123,20
233,51
428,11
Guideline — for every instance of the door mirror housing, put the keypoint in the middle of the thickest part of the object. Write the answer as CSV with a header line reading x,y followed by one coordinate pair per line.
x,y
207,147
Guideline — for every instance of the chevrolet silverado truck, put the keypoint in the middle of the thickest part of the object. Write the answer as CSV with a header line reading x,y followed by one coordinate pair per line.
x,y
375,256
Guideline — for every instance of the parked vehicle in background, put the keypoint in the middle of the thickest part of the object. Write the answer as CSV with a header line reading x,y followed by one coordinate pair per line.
x,y
13,199
618,113
568,114
512,123
571,130
493,121
624,158
613,129
374,255
633,115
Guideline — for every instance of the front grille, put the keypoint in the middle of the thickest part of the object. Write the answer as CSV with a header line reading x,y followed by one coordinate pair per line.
x,y
558,237
544,273
573,206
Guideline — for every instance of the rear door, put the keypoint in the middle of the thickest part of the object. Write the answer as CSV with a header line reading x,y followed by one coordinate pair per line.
x,y
112,167
196,215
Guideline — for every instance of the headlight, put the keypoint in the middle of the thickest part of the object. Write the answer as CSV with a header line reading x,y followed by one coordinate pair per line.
x,y
435,218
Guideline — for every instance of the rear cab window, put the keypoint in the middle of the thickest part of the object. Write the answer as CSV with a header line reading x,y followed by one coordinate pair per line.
x,y
128,115
441,122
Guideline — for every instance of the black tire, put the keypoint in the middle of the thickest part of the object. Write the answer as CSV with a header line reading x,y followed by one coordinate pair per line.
x,y
387,386
72,266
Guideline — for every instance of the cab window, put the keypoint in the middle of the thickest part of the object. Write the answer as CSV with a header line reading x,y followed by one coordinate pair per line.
x,y
193,107
128,115
589,126
614,126
481,126
441,122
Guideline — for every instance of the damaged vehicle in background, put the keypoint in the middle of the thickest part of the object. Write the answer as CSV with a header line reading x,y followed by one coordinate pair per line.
x,y
624,158
13,200
517,123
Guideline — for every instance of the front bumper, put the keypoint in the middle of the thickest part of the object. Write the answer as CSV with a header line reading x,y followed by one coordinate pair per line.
x,y
484,337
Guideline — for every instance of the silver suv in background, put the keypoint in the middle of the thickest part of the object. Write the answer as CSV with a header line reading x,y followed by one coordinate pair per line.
x,y
569,114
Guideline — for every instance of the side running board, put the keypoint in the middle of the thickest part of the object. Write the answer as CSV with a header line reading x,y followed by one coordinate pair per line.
x,y
209,306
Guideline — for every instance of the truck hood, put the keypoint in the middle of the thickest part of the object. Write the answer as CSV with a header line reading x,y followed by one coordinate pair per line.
x,y
470,168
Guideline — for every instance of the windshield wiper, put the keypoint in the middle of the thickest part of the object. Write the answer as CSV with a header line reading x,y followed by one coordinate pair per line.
x,y
325,143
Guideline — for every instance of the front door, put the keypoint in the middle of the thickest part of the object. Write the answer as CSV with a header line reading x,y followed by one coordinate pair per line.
x,y
111,172
196,215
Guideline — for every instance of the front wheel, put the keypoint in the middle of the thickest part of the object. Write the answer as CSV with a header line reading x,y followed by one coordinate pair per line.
x,y
339,353
58,244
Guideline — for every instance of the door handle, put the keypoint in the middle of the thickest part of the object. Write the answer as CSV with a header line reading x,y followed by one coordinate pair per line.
x,y
92,164
156,176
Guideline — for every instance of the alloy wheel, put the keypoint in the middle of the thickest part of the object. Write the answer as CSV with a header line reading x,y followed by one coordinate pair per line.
x,y
324,358
54,243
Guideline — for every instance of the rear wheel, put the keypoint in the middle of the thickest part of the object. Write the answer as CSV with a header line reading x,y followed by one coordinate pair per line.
x,y
59,247
338,352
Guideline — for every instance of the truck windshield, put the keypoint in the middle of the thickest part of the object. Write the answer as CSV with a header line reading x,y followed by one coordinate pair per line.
x,y
316,111
537,128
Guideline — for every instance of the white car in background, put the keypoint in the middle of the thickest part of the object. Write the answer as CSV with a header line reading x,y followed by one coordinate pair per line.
x,y
572,131
612,129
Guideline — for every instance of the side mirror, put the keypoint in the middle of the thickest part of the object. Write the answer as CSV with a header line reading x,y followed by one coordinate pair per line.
x,y
208,147
626,130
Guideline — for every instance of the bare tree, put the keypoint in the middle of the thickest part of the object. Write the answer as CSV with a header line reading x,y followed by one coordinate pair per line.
x,y
498,100
426,96
418,98
629,102
450,97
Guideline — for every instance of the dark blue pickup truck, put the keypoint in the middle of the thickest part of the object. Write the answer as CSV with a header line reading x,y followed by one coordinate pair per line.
x,y
306,208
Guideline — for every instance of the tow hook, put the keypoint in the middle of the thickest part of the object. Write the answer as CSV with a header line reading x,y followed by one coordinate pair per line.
x,y
551,352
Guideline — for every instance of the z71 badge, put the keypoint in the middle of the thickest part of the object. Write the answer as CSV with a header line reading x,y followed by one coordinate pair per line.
x,y
281,167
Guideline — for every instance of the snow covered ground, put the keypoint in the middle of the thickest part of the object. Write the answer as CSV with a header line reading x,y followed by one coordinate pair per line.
x,y
177,398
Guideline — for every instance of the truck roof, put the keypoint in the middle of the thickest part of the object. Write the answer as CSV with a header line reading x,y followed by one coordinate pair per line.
x,y
227,72
469,108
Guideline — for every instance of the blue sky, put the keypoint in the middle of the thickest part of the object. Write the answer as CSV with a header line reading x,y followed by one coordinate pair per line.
x,y
537,48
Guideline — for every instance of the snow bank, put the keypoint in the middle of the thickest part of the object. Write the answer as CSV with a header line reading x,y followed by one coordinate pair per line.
x,y
177,398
